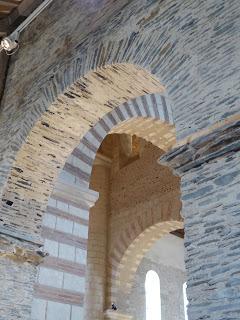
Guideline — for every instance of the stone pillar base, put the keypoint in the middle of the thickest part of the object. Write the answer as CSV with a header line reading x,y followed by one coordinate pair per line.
x,y
115,315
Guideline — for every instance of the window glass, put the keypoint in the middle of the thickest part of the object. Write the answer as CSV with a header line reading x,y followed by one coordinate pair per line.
x,y
153,299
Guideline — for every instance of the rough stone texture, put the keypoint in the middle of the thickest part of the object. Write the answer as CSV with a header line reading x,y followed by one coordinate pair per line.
x,y
211,210
17,277
220,142
16,289
192,47
200,76
29,193
166,37
18,268
210,197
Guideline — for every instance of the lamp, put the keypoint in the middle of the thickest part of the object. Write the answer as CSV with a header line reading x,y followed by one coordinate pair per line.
x,y
8,45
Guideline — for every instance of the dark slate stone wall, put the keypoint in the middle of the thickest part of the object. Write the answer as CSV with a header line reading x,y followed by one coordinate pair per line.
x,y
211,209
192,47
210,170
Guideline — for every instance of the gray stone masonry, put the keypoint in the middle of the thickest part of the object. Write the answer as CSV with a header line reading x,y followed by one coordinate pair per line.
x,y
210,186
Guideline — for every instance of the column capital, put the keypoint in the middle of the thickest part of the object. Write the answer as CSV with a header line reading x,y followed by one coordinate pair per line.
x,y
220,142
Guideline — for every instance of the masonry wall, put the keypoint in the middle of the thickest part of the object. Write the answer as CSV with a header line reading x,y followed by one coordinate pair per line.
x,y
96,279
59,290
211,191
193,50
171,282
191,47
143,193
201,75
210,196
138,187
17,280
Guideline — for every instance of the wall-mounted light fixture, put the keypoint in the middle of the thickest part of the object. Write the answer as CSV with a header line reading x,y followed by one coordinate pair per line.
x,y
9,46
10,43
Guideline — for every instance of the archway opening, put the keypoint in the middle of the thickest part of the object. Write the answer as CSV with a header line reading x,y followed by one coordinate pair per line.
x,y
144,205
55,127
114,166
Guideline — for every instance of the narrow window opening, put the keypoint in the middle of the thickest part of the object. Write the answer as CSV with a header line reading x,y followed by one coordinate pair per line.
x,y
153,298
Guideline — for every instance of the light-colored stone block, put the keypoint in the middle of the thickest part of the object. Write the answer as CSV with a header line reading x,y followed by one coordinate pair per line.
x,y
62,206
49,220
50,277
77,313
58,311
52,202
67,177
80,230
51,247
66,252
74,283
38,309
64,225
84,214
81,256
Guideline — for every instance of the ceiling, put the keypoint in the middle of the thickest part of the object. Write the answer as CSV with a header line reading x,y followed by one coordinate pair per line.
x,y
13,12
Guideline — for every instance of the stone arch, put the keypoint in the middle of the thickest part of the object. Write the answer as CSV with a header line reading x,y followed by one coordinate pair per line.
x,y
59,129
152,111
137,238
140,245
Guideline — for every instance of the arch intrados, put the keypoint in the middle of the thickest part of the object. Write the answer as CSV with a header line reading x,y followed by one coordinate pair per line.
x,y
158,132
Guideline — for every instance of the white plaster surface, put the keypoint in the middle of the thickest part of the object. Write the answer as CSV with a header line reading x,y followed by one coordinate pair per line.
x,y
168,251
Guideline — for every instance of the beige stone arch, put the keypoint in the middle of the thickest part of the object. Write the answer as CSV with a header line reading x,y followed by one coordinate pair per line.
x,y
138,248
59,130
121,284
137,238
148,116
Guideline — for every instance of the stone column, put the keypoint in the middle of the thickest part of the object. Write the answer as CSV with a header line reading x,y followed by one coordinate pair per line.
x,y
209,167
97,243
60,288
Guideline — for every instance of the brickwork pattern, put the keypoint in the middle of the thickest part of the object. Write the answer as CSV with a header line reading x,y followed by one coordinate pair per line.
x,y
145,205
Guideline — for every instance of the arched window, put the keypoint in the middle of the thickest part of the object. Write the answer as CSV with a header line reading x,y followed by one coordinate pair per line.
x,y
185,300
153,299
